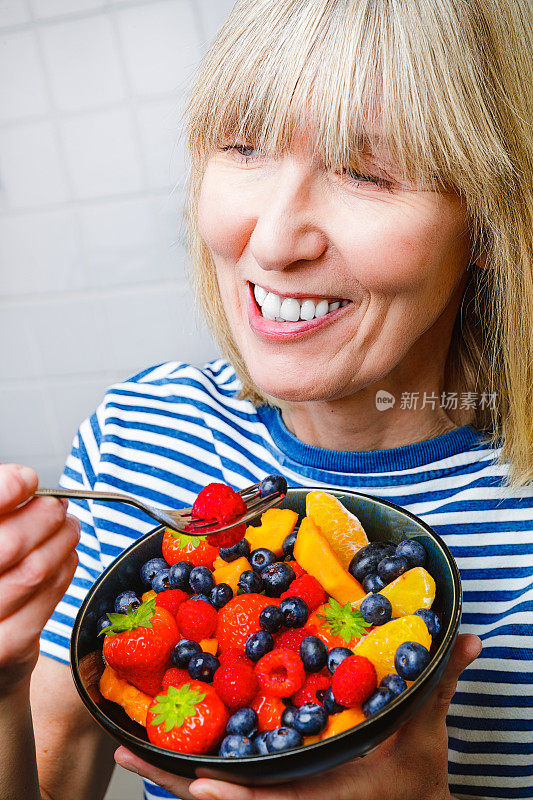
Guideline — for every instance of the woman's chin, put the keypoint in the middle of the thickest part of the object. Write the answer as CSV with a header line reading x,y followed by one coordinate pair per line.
x,y
297,389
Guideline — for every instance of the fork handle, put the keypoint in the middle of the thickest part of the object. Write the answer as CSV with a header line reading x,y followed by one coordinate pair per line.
x,y
88,494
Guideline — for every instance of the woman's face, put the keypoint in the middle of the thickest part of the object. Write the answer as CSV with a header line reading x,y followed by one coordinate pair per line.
x,y
392,256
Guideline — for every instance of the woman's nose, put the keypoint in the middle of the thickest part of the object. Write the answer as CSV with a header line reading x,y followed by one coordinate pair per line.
x,y
287,229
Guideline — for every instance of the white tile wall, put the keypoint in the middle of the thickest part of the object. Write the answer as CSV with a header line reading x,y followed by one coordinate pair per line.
x,y
92,169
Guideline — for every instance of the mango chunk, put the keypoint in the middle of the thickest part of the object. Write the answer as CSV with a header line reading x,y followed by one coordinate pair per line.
x,y
230,573
134,702
149,595
313,552
276,524
209,646
342,721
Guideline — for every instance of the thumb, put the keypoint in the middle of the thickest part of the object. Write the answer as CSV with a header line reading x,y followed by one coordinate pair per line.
x,y
466,649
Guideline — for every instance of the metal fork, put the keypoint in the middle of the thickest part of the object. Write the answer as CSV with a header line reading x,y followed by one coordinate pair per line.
x,y
181,520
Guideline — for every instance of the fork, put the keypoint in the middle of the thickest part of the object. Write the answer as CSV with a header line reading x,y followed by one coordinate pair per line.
x,y
180,520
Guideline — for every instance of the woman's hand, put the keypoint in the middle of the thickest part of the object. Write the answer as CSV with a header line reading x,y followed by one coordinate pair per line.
x,y
410,765
37,563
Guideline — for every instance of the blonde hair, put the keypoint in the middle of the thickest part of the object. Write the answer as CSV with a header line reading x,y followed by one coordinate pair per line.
x,y
450,82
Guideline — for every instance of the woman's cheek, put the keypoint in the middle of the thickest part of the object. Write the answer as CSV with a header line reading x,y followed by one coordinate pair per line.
x,y
221,219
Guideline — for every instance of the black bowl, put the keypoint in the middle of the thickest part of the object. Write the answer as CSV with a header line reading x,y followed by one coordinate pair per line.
x,y
381,520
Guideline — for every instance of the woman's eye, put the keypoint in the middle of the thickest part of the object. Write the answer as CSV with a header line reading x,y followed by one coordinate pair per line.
x,y
358,177
244,150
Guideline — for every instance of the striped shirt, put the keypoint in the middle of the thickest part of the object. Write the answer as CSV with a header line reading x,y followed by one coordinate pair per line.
x,y
168,431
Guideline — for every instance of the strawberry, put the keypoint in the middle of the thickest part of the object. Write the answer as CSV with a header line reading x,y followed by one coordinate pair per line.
x,y
188,719
313,690
236,684
221,503
137,645
269,710
298,570
293,638
338,626
353,681
171,599
308,589
239,618
175,677
183,547
233,656
196,619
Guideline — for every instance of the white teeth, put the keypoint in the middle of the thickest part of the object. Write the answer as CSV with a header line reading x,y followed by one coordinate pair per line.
x,y
271,306
322,308
290,310
307,310
260,294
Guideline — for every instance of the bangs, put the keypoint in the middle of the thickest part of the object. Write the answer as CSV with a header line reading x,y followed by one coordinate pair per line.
x,y
385,79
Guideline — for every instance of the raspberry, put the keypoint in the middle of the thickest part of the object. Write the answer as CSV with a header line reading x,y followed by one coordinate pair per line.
x,y
298,570
353,681
313,690
220,502
171,599
196,620
280,672
293,638
309,589
269,710
236,684
239,618
175,677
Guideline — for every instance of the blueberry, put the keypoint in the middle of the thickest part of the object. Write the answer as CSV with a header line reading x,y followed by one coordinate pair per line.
x,y
161,581
250,582
295,612
125,599
413,551
336,655
410,659
394,683
288,544
287,718
372,583
202,667
313,653
243,722
260,743
151,568
102,623
203,597
311,718
179,575
221,594
330,704
258,645
376,609
201,580
234,746
283,739
261,558
431,619
271,619
391,567
183,651
277,578
381,697
242,548
272,484
368,557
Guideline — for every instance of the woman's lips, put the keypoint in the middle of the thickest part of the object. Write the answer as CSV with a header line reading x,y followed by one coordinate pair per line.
x,y
282,331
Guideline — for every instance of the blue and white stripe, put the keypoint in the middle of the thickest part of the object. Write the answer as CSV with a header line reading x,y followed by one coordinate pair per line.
x,y
168,431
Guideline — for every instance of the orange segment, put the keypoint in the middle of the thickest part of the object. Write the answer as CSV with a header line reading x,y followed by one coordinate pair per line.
x,y
342,721
413,590
381,644
341,528
313,552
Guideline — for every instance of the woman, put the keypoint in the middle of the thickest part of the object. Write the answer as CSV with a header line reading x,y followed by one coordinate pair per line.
x,y
360,230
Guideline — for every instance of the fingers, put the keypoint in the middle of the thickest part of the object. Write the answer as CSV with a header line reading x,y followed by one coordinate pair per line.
x,y
172,783
20,582
17,484
466,649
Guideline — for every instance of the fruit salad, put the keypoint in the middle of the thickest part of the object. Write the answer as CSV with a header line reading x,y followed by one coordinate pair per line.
x,y
282,634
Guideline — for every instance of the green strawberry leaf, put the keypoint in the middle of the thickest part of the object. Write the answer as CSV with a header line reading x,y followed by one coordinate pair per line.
x,y
175,706
131,620
185,539
344,621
